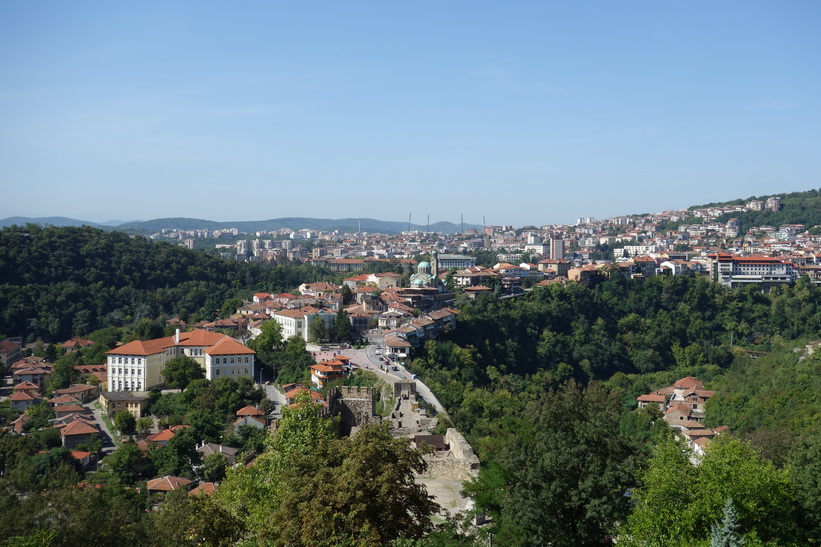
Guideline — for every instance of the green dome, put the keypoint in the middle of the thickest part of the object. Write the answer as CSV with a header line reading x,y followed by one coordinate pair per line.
x,y
418,281
424,264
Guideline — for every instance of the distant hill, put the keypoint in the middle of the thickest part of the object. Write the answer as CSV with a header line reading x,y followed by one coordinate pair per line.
x,y
796,208
50,221
293,223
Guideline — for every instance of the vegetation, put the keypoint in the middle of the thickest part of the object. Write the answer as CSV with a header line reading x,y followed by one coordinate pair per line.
x,y
311,488
61,282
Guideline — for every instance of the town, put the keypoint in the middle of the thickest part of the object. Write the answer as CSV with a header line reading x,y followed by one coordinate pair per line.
x,y
673,242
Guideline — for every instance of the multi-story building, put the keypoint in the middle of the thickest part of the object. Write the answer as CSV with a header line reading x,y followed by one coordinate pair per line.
x,y
447,262
138,365
297,322
735,271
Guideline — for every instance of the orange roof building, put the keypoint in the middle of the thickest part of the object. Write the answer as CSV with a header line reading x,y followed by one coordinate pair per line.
x,y
138,365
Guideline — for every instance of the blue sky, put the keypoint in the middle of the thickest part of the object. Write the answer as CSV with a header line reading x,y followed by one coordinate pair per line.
x,y
525,112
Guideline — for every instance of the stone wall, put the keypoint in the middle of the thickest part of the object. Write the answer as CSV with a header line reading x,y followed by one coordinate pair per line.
x,y
457,463
356,406
404,390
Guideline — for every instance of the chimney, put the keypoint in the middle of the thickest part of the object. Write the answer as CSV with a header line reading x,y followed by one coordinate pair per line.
x,y
177,337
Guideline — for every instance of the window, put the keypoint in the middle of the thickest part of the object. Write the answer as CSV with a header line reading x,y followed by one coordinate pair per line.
x,y
232,360
217,373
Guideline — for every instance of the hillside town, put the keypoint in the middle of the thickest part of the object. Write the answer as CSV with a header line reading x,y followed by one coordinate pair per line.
x,y
672,242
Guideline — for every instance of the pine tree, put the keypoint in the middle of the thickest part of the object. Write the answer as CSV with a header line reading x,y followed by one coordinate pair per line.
x,y
725,533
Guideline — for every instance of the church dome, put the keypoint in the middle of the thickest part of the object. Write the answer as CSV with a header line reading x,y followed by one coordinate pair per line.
x,y
424,264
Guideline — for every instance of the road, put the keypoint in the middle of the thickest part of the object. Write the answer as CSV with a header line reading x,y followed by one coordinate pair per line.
x,y
391,372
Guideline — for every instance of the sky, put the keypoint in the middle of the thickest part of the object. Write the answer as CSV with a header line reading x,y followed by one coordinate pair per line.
x,y
517,112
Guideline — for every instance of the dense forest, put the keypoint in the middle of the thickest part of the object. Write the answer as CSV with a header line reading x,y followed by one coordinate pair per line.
x,y
544,386
56,283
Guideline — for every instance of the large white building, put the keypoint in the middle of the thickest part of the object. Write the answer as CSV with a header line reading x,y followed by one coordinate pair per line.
x,y
297,322
735,271
138,365
447,262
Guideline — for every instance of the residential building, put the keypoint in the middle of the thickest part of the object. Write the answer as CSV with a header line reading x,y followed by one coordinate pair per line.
x,y
297,322
736,271
138,365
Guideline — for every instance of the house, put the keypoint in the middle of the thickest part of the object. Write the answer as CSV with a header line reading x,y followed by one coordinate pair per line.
x,y
76,343
100,372
64,400
138,365
78,432
651,399
252,421
293,391
165,435
9,352
213,448
27,387
251,411
206,488
397,346
85,458
21,400
328,371
135,403
166,484
476,291
35,375
296,323
67,410
85,392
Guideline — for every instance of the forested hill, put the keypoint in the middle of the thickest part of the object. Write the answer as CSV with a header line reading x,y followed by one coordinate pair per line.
x,y
59,282
797,208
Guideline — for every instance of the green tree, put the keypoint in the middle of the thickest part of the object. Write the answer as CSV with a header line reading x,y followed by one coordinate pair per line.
x,y
317,329
214,467
127,465
269,340
145,424
229,307
343,325
678,501
725,533
125,422
197,521
805,472
347,294
563,473
181,371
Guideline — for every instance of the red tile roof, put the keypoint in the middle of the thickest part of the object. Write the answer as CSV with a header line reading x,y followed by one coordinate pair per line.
x,y
167,483
78,427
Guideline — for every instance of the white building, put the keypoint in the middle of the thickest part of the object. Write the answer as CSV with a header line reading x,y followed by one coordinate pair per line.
x,y
138,365
297,322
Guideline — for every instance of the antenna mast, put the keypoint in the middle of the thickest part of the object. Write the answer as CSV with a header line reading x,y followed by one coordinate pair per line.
x,y
409,217
463,223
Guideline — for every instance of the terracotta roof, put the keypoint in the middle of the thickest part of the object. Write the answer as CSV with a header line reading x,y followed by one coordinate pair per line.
x,y
229,346
688,383
167,483
143,347
74,388
78,427
651,398
7,346
250,411
26,386
200,337
207,488
71,408
22,396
